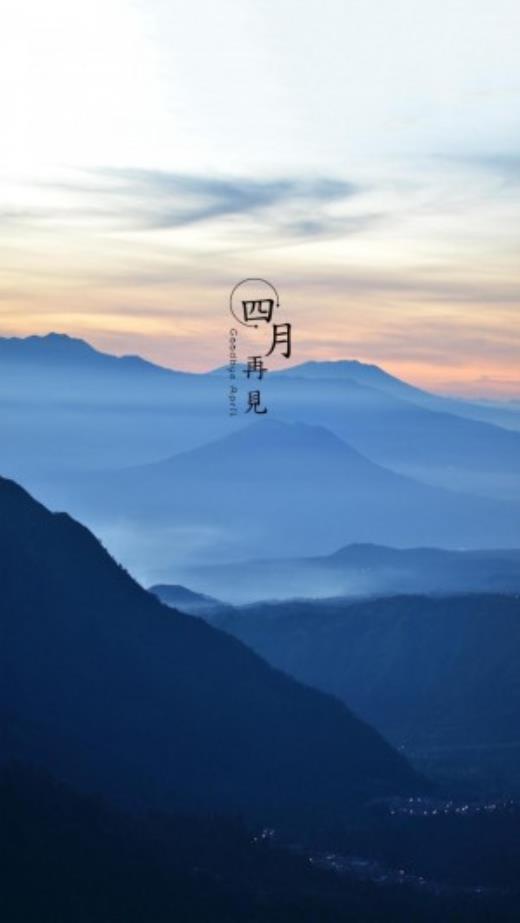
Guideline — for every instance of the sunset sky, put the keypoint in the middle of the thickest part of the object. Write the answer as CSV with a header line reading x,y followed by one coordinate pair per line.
x,y
364,155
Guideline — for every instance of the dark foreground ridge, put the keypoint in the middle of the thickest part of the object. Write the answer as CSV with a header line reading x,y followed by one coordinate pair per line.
x,y
115,693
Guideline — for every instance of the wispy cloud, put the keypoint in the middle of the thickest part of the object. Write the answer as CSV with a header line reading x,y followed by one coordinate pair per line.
x,y
141,199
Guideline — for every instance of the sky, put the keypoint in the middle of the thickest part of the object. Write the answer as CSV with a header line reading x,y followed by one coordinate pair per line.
x,y
363,155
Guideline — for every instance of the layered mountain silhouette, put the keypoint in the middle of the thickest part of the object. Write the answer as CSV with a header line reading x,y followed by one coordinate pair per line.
x,y
432,674
113,692
69,411
275,489
70,406
67,406
361,570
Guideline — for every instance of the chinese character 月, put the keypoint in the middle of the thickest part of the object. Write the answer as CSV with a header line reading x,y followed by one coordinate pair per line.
x,y
281,337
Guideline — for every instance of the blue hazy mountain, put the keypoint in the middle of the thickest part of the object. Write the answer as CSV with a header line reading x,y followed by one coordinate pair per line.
x,y
438,676
501,413
362,373
274,489
111,691
430,443
65,405
73,411
57,350
361,570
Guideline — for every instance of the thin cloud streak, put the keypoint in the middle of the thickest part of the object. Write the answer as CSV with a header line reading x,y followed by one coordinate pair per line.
x,y
139,199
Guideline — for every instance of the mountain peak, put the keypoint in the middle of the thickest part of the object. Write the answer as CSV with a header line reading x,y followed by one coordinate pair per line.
x,y
61,339
337,364
272,436
332,368
52,343
294,432
361,373
59,350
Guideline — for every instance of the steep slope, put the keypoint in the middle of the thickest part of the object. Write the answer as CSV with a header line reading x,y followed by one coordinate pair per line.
x,y
112,691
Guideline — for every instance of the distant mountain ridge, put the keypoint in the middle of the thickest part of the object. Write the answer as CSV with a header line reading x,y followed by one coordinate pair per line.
x,y
60,350
64,349
363,373
359,570
373,376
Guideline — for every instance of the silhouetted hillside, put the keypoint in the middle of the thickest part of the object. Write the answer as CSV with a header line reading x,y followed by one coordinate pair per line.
x,y
114,692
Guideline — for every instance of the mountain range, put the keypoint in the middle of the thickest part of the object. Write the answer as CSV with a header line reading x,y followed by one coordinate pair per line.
x,y
355,571
171,718
66,406
347,453
50,387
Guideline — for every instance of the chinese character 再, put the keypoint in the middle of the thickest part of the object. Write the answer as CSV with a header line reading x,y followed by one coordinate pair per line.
x,y
281,337
254,403
255,364
261,309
